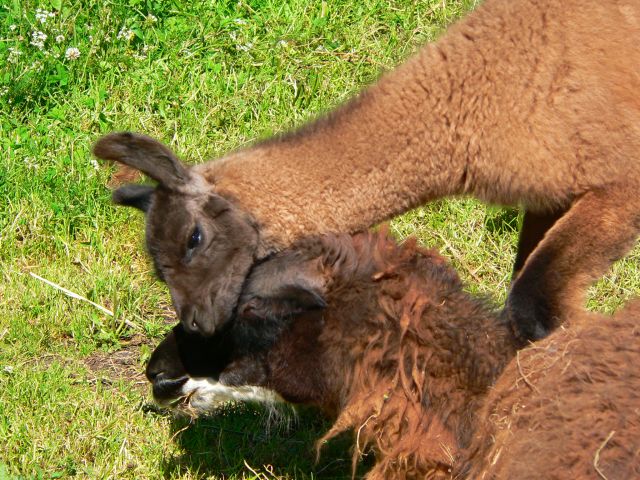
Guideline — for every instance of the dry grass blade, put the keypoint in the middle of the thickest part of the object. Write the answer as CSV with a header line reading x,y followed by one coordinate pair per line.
x,y
596,457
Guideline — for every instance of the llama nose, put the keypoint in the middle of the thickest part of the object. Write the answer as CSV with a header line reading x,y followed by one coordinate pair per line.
x,y
168,389
192,322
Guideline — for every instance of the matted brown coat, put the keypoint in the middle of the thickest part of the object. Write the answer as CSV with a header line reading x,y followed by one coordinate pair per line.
x,y
383,338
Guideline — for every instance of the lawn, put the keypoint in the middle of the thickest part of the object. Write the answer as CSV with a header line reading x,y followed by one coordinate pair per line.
x,y
205,77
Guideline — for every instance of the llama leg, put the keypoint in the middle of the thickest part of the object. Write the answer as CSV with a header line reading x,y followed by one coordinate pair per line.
x,y
534,227
599,228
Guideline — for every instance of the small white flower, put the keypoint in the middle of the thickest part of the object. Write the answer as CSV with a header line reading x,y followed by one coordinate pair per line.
x,y
41,15
8,369
240,21
282,43
14,54
31,163
38,38
245,48
126,33
13,27
4,91
151,18
95,164
72,53
60,39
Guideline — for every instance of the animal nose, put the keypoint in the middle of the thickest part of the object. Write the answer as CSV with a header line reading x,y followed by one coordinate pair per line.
x,y
167,389
153,372
195,322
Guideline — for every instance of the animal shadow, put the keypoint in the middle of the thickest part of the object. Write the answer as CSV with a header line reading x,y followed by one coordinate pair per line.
x,y
250,441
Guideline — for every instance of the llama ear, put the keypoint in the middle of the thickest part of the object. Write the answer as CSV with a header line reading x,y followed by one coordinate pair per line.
x,y
137,196
145,154
279,288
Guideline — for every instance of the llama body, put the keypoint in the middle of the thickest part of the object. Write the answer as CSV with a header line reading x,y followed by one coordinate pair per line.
x,y
523,102
378,336
576,415
383,339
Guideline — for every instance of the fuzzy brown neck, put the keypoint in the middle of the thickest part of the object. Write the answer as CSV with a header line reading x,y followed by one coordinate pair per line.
x,y
403,141
423,409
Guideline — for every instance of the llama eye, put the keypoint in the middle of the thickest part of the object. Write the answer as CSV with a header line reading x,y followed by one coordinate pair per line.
x,y
195,239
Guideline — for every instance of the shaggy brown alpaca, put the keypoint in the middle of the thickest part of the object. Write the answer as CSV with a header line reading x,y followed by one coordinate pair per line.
x,y
567,407
383,338
522,102
380,336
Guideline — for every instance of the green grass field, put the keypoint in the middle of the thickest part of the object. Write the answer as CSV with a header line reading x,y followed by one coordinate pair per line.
x,y
205,77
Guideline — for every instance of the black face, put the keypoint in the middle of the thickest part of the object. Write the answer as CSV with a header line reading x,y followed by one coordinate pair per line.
x,y
278,320
182,355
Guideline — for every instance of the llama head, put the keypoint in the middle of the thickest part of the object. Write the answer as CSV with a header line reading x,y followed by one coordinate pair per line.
x,y
202,245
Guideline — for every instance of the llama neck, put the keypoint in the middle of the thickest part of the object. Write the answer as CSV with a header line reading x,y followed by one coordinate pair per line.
x,y
425,412
403,141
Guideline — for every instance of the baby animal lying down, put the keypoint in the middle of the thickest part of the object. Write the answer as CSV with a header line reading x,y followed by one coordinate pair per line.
x,y
383,338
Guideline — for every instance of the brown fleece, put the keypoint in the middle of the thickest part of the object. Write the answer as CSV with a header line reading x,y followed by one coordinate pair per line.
x,y
402,358
431,379
567,407
423,373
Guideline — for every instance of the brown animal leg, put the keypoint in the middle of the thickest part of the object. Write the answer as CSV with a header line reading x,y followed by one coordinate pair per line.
x,y
597,230
534,226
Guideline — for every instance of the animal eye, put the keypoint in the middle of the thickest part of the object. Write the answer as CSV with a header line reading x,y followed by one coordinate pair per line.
x,y
195,239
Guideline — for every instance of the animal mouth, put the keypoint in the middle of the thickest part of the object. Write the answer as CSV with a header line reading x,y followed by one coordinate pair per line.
x,y
199,396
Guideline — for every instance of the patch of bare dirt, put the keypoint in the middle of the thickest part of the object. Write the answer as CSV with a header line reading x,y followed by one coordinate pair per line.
x,y
123,364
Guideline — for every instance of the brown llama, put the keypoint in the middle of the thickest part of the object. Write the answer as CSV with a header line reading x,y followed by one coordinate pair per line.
x,y
383,338
531,103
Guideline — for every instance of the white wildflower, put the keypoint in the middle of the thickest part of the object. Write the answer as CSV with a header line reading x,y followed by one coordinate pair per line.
x,y
150,18
13,27
95,164
126,33
233,36
72,53
240,21
245,48
38,38
8,369
282,43
60,39
42,15
14,54
4,91
31,163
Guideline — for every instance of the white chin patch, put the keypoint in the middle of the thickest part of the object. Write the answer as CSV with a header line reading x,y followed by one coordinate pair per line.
x,y
202,395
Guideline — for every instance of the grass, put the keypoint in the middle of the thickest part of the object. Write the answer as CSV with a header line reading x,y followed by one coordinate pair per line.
x,y
207,77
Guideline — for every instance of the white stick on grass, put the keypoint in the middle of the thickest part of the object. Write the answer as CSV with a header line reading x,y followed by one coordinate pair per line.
x,y
71,294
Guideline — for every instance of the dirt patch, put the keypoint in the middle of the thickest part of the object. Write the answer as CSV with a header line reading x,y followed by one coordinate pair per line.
x,y
123,364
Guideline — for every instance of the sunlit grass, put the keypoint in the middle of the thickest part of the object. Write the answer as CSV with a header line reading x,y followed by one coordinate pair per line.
x,y
205,77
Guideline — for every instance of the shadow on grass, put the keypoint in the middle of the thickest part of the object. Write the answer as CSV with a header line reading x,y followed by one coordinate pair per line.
x,y
243,441
501,220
